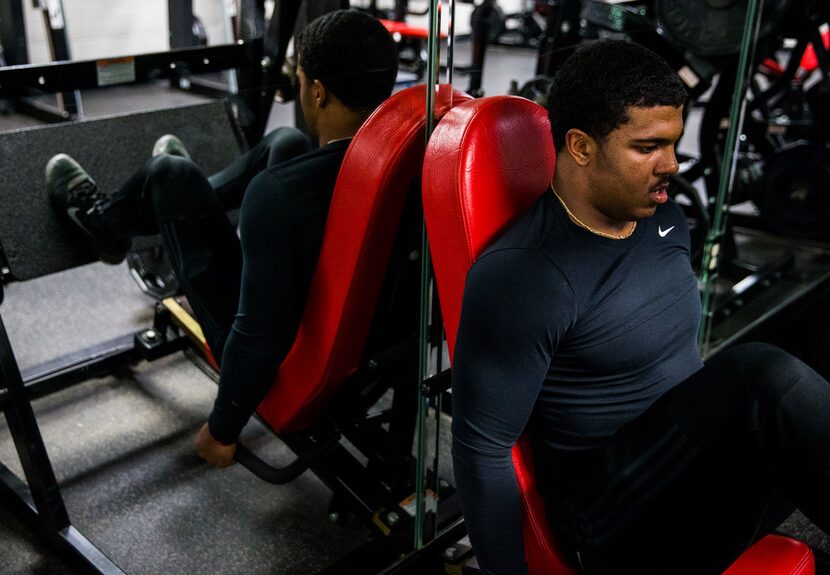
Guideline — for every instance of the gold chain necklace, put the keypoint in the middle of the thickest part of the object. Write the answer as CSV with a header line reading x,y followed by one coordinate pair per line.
x,y
582,224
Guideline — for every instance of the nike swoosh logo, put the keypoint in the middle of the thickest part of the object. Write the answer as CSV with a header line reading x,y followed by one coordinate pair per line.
x,y
663,233
73,215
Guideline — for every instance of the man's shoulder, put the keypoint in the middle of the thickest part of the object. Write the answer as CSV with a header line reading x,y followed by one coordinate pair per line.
x,y
316,164
313,172
529,231
523,246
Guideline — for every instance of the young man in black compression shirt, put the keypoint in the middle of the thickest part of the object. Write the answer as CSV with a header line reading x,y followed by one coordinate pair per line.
x,y
579,325
248,292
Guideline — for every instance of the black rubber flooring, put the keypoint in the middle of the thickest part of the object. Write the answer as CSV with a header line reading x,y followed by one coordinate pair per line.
x,y
121,447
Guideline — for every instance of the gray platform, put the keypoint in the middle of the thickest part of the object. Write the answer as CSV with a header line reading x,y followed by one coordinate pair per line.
x,y
110,149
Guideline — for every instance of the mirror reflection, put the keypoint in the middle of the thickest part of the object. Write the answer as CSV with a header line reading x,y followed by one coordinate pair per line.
x,y
751,91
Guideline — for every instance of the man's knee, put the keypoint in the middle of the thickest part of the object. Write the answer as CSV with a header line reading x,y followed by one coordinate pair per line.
x,y
175,185
285,143
772,371
165,169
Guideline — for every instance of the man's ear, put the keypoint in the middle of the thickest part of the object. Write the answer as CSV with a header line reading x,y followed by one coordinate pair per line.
x,y
580,146
319,94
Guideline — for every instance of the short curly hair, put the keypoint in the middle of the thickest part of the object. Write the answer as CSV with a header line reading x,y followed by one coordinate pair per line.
x,y
594,88
353,55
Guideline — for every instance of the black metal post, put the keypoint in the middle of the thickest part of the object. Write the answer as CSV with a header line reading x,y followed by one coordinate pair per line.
x,y
561,35
180,16
13,33
481,38
29,442
53,17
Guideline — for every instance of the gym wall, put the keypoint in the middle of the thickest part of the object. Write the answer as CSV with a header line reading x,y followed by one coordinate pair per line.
x,y
106,28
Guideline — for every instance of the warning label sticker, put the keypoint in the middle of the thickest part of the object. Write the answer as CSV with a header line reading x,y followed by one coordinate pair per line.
x,y
116,71
430,503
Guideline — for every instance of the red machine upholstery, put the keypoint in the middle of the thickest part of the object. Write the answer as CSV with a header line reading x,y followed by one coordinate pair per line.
x,y
487,162
405,30
809,61
380,164
473,185
541,551
776,555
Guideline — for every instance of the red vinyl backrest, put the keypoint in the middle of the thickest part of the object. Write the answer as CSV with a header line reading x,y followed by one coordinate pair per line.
x,y
488,161
384,157
775,555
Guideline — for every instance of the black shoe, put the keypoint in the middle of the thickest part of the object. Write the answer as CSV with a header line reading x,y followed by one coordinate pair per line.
x,y
170,144
74,193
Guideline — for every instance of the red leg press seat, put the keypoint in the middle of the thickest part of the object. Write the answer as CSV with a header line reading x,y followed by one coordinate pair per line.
x,y
382,160
487,162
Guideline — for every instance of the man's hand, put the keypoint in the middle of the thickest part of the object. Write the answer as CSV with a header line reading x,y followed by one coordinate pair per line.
x,y
215,453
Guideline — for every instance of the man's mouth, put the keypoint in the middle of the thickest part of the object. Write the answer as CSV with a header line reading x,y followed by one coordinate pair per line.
x,y
660,193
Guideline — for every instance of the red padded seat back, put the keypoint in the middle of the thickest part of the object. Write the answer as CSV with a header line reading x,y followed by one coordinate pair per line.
x,y
487,162
384,157
775,555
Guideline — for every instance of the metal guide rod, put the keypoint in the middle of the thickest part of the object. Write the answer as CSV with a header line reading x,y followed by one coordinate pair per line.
x,y
712,246
451,42
426,269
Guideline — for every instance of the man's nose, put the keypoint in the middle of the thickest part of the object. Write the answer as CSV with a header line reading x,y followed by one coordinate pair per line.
x,y
668,163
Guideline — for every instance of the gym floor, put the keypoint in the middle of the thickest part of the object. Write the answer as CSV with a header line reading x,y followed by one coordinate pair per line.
x,y
122,445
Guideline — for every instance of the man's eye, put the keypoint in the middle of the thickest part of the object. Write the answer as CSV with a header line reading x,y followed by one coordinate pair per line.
x,y
647,149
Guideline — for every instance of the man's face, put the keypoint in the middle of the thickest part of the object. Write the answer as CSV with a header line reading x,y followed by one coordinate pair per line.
x,y
633,163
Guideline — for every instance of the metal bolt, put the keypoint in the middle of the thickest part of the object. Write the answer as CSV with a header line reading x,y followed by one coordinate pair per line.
x,y
334,517
413,255
392,519
151,335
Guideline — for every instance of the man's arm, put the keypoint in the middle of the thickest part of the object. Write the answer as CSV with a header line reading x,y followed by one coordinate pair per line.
x,y
510,322
266,321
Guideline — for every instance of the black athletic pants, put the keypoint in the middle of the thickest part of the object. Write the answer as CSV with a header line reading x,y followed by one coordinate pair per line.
x,y
170,195
683,489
